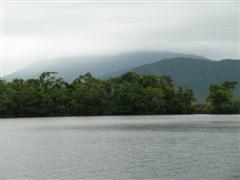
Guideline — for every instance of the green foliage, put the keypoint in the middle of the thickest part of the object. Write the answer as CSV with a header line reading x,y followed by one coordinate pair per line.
x,y
221,98
87,96
128,94
199,74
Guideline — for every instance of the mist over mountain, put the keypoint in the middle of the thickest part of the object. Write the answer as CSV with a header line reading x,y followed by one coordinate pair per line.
x,y
101,66
195,73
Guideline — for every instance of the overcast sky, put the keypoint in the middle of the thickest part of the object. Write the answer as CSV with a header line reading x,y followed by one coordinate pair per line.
x,y
37,31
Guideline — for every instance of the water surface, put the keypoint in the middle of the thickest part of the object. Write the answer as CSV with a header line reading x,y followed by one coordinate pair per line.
x,y
204,147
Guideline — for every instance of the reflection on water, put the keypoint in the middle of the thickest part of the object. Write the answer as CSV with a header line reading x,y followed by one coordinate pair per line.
x,y
176,127
122,147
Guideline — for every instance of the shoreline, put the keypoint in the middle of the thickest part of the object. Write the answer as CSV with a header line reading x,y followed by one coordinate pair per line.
x,y
100,116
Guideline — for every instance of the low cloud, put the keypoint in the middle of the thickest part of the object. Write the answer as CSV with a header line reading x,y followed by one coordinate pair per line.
x,y
36,31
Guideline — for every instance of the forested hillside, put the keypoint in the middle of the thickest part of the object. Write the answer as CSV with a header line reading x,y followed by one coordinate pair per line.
x,y
101,66
197,74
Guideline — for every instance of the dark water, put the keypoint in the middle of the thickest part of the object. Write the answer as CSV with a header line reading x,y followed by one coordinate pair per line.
x,y
204,147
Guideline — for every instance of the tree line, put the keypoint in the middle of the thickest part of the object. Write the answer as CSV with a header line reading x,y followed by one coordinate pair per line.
x,y
128,94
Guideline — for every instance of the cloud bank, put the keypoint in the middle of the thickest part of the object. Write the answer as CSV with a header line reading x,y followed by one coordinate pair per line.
x,y
40,31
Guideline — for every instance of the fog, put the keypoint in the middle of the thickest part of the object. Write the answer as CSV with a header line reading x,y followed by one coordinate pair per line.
x,y
37,31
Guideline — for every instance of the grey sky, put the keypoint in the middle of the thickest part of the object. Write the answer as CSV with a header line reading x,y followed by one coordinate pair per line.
x,y
36,31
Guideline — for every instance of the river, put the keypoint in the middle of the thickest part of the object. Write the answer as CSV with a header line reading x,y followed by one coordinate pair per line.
x,y
174,147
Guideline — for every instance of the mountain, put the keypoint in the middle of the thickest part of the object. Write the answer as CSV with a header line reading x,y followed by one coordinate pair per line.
x,y
100,66
195,73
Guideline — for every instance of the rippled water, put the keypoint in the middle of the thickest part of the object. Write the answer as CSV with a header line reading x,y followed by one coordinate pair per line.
x,y
122,147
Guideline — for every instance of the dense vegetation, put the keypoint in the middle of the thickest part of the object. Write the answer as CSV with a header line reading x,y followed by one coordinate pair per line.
x,y
221,99
194,71
198,74
128,94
